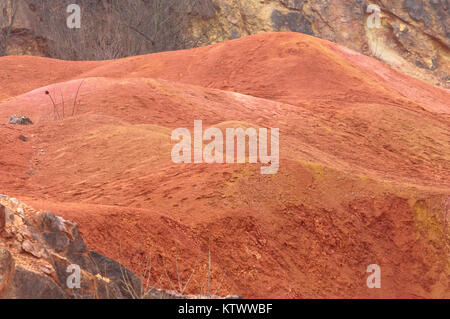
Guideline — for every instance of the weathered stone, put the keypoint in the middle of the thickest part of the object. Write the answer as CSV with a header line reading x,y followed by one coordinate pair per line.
x,y
31,285
48,270
292,21
29,232
48,222
34,249
23,138
20,120
91,285
86,289
2,217
9,218
8,222
127,281
81,258
77,247
19,237
201,8
6,270
293,4
108,289
57,241
416,10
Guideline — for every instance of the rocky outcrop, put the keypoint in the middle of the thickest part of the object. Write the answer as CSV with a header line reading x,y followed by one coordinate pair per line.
x,y
413,35
44,256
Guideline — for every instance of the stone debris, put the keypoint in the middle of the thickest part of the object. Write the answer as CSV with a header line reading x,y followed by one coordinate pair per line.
x,y
20,120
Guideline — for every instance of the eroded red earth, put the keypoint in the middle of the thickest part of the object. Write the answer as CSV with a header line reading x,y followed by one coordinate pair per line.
x,y
364,172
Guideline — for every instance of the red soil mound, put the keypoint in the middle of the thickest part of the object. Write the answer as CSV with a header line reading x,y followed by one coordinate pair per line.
x,y
22,74
363,179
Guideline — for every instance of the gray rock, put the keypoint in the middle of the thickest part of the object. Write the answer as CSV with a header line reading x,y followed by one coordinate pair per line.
x,y
20,120
125,279
56,241
48,222
296,22
293,4
31,285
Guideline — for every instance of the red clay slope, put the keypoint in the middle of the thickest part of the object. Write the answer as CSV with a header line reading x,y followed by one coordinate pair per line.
x,y
363,179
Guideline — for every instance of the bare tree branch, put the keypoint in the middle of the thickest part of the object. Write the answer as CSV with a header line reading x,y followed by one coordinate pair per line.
x,y
125,28
14,6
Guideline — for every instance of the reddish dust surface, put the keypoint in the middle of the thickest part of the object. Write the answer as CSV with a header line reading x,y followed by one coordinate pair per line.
x,y
363,179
